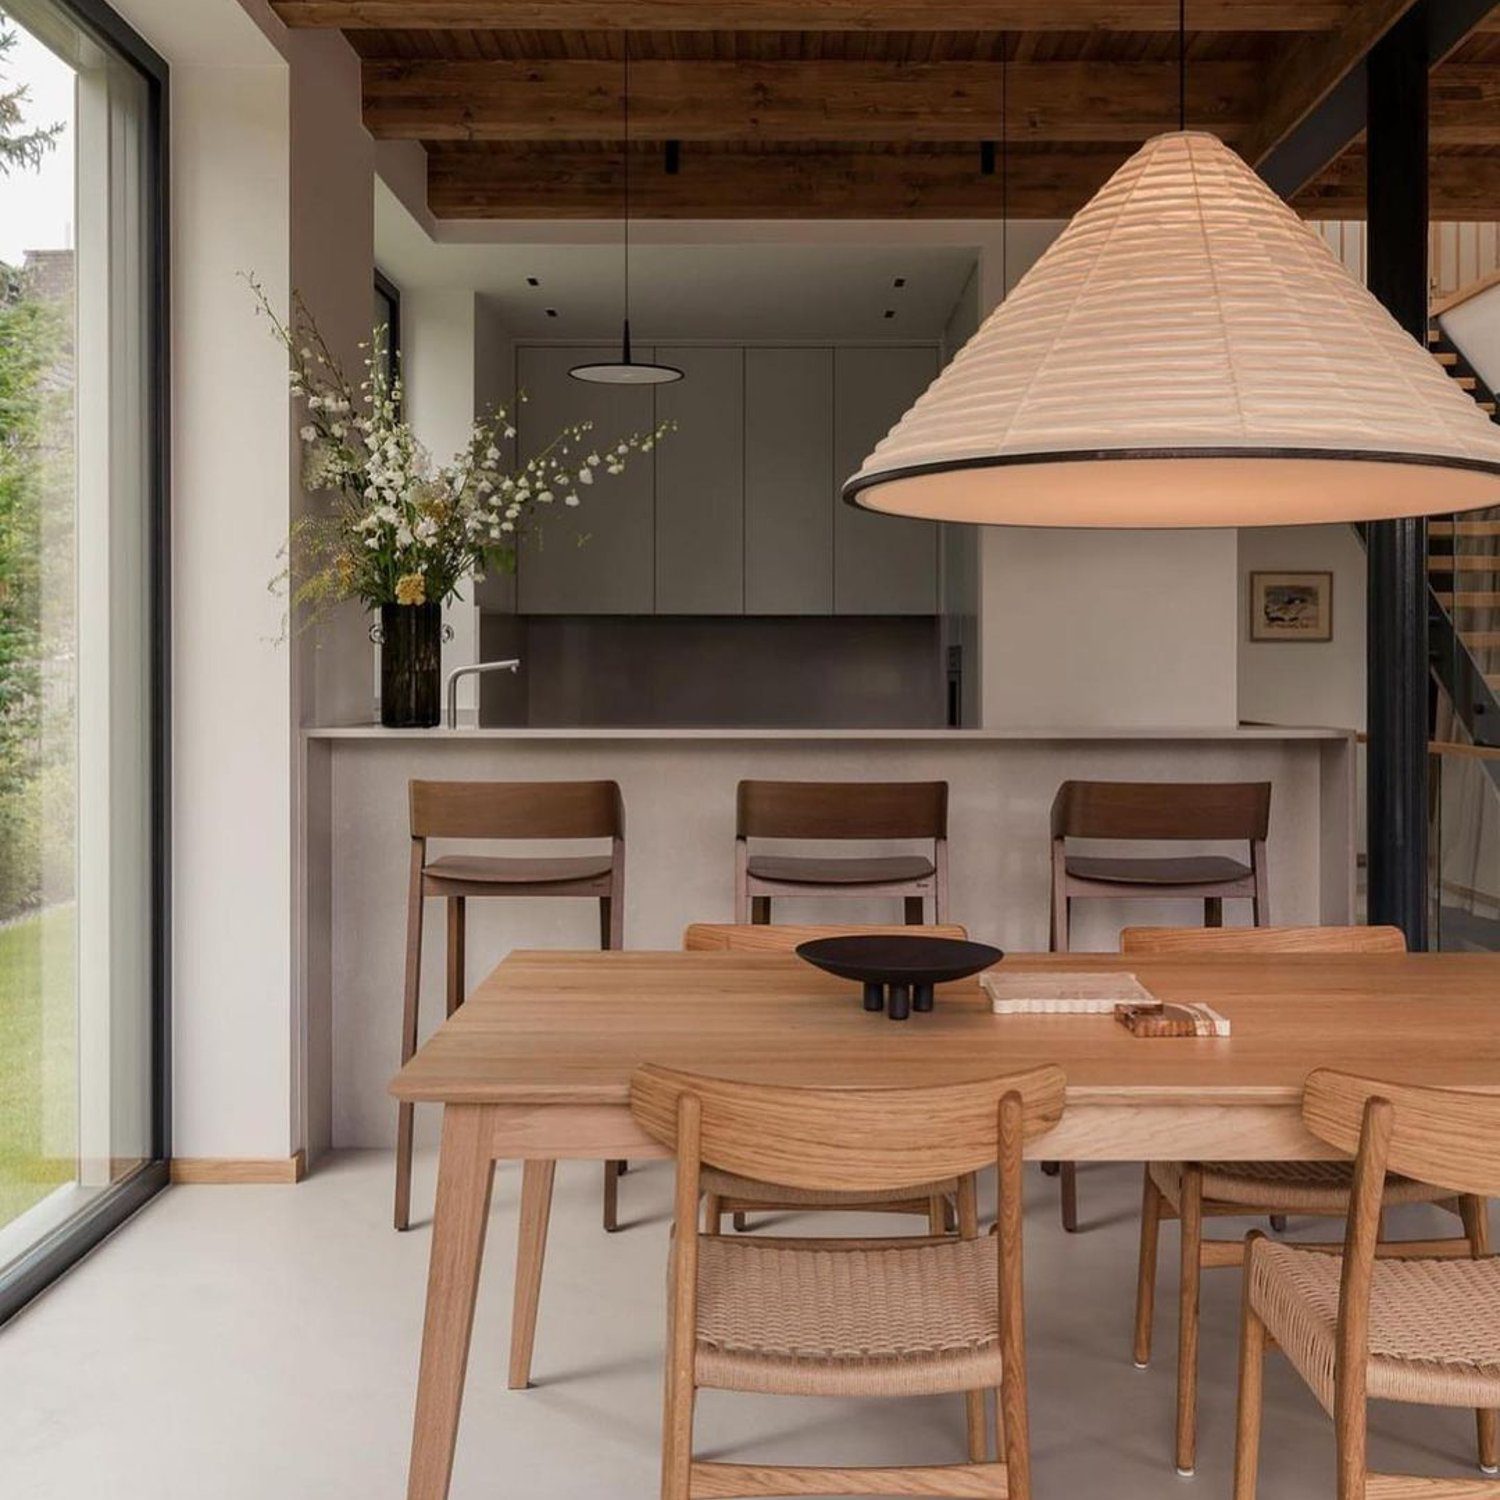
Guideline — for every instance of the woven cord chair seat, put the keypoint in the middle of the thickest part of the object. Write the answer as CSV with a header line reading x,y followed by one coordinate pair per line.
x,y
868,1318
1434,1324
1319,1187
748,1190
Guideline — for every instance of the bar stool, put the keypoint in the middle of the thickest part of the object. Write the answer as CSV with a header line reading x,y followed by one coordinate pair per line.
x,y
841,810
561,810
1152,812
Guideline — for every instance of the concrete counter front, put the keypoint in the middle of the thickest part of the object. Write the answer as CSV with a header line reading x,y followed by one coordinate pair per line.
x,y
679,788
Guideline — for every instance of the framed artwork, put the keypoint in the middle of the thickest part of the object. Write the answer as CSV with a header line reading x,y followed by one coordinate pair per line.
x,y
1291,606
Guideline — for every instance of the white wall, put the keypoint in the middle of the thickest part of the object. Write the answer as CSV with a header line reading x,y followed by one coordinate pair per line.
x,y
1128,629
1305,682
1474,326
270,175
232,708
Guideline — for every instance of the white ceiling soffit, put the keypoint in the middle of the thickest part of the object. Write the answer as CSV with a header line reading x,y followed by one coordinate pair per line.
x,y
689,281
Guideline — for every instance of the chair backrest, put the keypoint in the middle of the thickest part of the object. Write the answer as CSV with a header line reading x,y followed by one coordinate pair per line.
x,y
728,937
842,810
1448,1137
1262,940
833,1138
1162,810
517,810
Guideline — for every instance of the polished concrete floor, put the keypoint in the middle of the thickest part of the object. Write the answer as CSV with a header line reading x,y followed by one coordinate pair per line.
x,y
260,1344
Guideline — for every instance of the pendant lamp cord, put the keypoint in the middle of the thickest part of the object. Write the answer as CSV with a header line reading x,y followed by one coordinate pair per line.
x,y
1182,64
625,121
1004,168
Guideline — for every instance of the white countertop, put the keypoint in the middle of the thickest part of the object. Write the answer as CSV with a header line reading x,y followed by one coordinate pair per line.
x,y
1227,732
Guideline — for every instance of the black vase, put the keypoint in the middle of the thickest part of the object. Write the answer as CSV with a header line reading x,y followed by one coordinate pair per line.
x,y
411,659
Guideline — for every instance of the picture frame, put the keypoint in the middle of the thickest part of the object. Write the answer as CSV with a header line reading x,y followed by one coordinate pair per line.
x,y
1291,606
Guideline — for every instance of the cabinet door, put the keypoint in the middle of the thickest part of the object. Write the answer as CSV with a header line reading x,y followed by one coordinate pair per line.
x,y
598,559
788,477
700,485
883,565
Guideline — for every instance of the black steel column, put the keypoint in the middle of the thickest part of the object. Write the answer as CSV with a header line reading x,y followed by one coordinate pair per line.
x,y
1396,197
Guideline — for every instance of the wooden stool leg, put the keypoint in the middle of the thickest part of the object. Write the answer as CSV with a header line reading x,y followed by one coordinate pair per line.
x,y
713,1214
760,911
1213,911
457,912
741,1224
405,1112
1476,1219
612,936
531,1251
915,914
613,1171
937,1215
1070,1197
1187,1319
1145,1276
1252,1370
974,1418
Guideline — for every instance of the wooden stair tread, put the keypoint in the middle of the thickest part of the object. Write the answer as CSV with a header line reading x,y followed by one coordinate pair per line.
x,y
1464,528
1470,600
1465,382
1445,357
1488,562
1484,640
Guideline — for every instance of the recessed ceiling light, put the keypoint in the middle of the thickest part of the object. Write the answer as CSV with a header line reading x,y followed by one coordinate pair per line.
x,y
532,281
551,312
890,312
900,281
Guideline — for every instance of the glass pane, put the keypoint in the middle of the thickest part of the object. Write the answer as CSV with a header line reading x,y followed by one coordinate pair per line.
x,y
76,1005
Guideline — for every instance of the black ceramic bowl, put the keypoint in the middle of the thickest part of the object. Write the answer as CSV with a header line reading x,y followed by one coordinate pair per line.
x,y
898,971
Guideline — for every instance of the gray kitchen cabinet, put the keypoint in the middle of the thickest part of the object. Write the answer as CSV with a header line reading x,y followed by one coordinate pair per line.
x,y
700,484
788,479
883,565
598,559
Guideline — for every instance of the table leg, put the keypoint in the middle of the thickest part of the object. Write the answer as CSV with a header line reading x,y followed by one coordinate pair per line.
x,y
466,1172
531,1249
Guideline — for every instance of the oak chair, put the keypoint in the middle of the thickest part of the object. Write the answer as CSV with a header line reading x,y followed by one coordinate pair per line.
x,y
1194,1191
1356,1326
900,1317
1154,812
724,1193
505,810
841,811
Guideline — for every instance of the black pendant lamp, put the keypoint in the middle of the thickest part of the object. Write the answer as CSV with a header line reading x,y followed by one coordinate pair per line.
x,y
625,370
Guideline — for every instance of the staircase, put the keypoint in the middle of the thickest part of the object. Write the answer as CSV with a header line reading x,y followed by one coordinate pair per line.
x,y
1463,564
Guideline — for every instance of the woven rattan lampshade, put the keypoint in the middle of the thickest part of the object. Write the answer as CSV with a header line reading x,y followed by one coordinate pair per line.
x,y
1187,353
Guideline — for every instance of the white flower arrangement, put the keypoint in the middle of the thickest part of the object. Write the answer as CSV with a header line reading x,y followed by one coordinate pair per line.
x,y
401,529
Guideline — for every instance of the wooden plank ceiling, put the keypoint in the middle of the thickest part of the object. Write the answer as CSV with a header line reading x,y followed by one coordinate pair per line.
x,y
862,109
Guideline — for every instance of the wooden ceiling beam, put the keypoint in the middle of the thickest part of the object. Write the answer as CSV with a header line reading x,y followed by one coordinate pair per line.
x,y
1311,67
530,182
1463,188
1464,105
814,15
540,100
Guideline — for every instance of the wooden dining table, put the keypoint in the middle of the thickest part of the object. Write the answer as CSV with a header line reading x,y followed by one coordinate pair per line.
x,y
535,1067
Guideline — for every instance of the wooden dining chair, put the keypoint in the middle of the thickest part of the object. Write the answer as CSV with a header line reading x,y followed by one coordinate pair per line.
x,y
1154,812
843,811
946,1204
563,811
893,1317
1358,1327
1194,1191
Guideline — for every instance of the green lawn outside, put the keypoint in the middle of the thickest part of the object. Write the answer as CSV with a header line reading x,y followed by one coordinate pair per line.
x,y
38,1058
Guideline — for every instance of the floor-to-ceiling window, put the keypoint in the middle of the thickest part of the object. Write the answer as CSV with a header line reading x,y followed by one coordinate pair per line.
x,y
82,633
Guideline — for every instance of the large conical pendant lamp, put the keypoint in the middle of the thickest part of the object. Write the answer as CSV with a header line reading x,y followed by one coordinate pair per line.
x,y
625,370
1187,353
